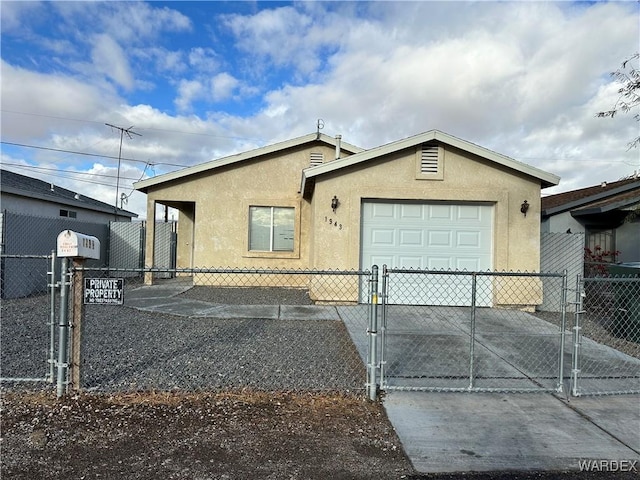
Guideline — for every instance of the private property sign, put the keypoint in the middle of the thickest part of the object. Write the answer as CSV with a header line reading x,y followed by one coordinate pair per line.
x,y
103,290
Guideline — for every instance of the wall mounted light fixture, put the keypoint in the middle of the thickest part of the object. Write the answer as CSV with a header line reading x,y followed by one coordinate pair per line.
x,y
334,203
524,208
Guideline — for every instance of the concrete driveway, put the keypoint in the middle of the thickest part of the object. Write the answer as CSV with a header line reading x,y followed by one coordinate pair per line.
x,y
460,432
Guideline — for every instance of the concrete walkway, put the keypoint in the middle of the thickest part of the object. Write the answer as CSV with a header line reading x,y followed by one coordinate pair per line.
x,y
461,432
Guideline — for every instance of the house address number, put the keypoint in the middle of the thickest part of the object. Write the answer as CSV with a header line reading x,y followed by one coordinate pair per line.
x,y
333,223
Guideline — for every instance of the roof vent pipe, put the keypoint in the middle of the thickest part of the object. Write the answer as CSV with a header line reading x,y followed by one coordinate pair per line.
x,y
338,141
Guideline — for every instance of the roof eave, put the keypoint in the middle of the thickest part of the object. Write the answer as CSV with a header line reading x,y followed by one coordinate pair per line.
x,y
67,202
546,179
621,205
144,185
591,199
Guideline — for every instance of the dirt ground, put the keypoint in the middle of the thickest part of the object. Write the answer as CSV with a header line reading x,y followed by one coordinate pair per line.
x,y
239,435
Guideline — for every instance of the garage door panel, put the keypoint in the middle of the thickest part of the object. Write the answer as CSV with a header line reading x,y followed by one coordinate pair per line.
x,y
411,262
470,212
468,239
382,210
381,260
432,236
439,239
442,212
468,264
411,238
442,263
381,237
410,211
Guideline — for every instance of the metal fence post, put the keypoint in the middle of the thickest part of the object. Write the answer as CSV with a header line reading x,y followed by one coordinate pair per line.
x,y
383,324
373,334
63,335
575,367
563,326
52,318
472,334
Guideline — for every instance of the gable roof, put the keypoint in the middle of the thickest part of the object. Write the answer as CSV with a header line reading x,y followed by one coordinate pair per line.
x,y
596,199
21,185
309,174
144,185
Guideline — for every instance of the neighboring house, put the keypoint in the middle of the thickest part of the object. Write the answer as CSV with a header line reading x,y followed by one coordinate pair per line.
x,y
32,214
30,196
608,214
431,201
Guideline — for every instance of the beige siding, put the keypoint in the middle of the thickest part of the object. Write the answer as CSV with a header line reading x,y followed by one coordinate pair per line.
x,y
215,234
516,238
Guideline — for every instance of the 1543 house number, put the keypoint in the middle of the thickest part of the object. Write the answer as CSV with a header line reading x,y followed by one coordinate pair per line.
x,y
333,223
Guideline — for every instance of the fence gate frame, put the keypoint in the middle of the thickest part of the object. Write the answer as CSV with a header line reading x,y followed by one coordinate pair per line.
x,y
580,361
383,330
52,285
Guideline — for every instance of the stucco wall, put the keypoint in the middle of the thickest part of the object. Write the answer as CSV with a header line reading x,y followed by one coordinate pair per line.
x,y
325,240
221,203
516,242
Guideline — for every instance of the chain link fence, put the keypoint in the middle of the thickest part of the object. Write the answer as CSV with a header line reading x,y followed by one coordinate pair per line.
x,y
606,338
465,331
28,318
204,329
310,330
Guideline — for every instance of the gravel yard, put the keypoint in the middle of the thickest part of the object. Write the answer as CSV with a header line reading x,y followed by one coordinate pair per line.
x,y
125,349
174,397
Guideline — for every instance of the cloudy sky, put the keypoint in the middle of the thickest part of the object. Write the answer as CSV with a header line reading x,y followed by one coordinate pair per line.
x,y
202,80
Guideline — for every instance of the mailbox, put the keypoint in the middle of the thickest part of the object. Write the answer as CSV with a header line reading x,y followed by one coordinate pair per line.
x,y
78,245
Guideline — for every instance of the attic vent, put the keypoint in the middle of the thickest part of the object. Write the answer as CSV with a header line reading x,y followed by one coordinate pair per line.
x,y
429,159
317,158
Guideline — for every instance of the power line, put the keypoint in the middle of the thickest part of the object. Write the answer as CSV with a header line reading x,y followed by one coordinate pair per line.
x,y
71,172
91,154
83,180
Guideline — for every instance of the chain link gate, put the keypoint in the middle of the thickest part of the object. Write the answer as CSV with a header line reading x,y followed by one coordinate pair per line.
x,y
606,336
28,291
472,331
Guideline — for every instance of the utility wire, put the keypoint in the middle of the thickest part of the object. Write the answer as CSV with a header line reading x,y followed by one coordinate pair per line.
x,y
70,172
90,154
83,180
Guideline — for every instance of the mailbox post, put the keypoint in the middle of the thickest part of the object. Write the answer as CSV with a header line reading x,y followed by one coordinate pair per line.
x,y
78,247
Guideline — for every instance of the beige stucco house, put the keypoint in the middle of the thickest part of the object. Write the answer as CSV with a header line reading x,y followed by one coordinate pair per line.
x,y
431,201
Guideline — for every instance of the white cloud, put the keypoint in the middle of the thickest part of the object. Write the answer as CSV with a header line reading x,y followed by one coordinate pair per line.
x,y
109,59
203,60
285,36
188,92
53,98
14,14
223,86
127,22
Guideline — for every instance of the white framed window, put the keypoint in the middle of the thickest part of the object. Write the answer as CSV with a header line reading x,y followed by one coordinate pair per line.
x,y
271,229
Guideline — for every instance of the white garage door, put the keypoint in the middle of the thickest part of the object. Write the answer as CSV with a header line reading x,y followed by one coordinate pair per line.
x,y
429,236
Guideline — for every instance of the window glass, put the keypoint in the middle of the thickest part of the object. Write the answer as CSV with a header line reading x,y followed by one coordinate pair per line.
x,y
283,229
271,229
